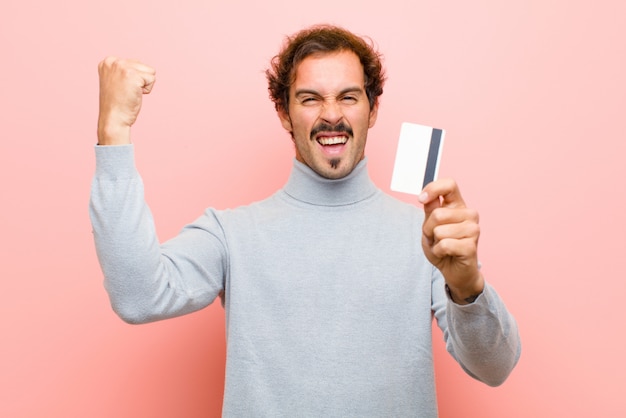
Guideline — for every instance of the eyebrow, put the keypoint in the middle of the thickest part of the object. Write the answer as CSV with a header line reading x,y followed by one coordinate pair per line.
x,y
354,89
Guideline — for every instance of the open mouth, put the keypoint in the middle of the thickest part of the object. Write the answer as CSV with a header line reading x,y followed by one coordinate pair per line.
x,y
332,140
332,137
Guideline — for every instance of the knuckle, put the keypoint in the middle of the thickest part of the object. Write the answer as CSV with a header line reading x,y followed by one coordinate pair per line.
x,y
108,64
427,232
476,229
436,234
445,247
473,214
437,215
470,226
110,61
440,233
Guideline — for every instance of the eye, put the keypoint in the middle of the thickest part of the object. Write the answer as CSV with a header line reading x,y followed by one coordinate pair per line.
x,y
308,100
349,99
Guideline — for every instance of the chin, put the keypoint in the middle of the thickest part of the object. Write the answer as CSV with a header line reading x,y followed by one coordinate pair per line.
x,y
334,171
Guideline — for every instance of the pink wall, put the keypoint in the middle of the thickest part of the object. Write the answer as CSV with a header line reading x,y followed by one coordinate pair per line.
x,y
532,94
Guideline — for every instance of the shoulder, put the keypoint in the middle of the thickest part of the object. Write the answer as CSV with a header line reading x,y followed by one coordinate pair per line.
x,y
267,207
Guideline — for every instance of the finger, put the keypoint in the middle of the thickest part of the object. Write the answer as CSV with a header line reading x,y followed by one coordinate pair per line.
x,y
462,230
113,62
147,74
430,206
465,248
445,190
443,216
140,66
149,80
134,71
142,75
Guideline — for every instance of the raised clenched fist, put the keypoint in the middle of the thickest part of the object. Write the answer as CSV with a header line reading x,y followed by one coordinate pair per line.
x,y
122,84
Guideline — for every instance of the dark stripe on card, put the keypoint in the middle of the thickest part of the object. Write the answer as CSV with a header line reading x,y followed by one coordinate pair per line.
x,y
433,153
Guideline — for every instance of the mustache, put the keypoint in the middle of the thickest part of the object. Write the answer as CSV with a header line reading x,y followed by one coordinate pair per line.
x,y
325,127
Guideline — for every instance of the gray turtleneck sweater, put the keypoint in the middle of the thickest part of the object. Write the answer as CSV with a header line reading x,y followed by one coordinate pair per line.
x,y
329,298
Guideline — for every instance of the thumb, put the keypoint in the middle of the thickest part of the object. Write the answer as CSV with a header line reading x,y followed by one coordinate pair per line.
x,y
148,85
444,192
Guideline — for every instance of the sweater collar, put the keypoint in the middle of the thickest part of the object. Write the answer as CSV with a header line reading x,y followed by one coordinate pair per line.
x,y
307,186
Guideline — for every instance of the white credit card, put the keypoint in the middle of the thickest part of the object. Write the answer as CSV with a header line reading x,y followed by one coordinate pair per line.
x,y
417,158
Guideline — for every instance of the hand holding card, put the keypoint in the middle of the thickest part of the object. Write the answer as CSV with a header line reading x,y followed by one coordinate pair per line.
x,y
450,239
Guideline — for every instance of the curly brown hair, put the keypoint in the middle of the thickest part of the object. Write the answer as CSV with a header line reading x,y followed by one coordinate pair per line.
x,y
322,39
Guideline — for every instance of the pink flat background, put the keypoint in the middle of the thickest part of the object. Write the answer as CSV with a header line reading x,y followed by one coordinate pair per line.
x,y
532,95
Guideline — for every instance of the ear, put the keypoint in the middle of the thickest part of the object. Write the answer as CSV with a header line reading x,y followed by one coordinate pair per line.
x,y
373,114
285,120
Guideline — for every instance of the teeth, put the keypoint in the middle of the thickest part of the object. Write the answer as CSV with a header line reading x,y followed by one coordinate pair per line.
x,y
332,140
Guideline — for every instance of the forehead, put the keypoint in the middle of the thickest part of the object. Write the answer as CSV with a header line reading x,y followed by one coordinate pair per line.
x,y
329,71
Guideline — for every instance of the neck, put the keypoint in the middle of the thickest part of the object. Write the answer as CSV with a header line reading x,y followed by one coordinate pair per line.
x,y
307,186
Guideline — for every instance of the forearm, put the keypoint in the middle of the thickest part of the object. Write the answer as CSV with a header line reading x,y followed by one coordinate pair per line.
x,y
483,337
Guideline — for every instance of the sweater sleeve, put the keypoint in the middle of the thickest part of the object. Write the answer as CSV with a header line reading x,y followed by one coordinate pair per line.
x,y
147,281
482,336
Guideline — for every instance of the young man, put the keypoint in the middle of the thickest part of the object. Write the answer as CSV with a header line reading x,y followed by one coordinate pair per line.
x,y
329,285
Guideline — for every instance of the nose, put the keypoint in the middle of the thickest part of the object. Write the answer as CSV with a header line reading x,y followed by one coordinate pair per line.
x,y
331,112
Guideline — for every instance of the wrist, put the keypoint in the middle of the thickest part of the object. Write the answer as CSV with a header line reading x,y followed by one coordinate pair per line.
x,y
466,294
113,134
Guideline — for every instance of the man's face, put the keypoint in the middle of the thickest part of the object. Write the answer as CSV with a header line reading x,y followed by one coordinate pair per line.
x,y
329,113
